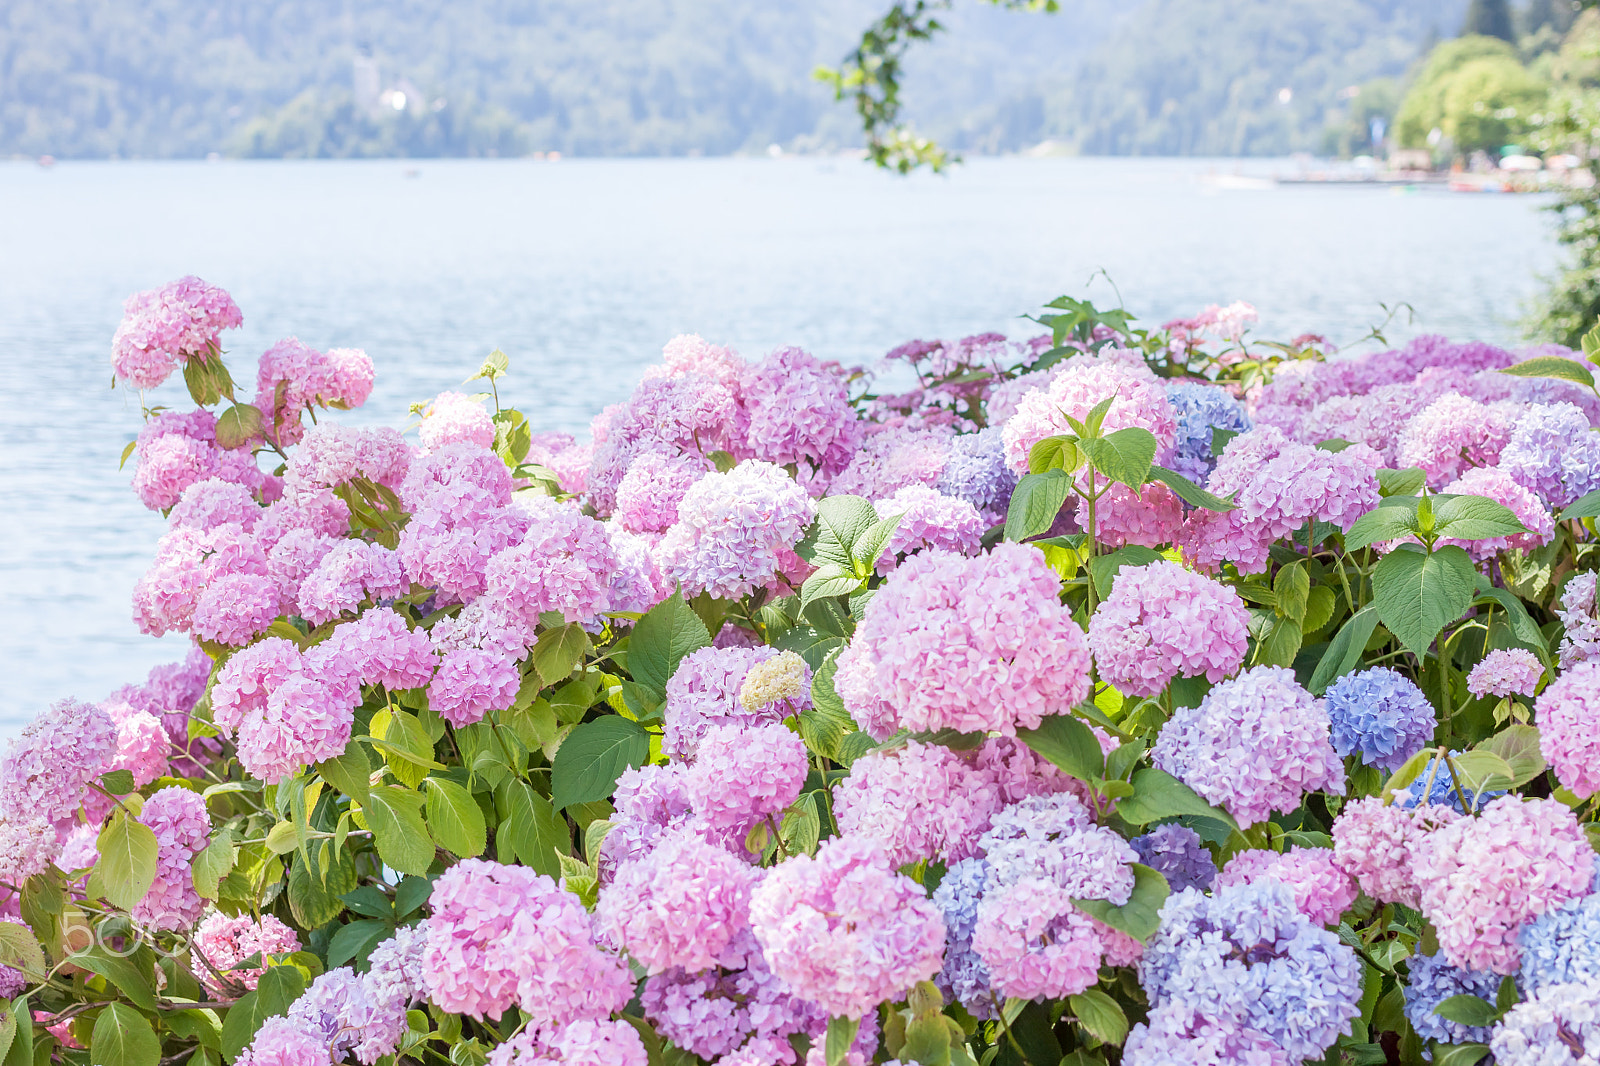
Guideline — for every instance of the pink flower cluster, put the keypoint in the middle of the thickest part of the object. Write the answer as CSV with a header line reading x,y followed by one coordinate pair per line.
x,y
286,709
164,327
1161,621
223,942
182,827
1506,672
1140,402
1322,890
1568,713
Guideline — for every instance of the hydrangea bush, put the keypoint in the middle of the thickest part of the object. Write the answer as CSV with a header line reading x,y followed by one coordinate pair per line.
x,y
1120,696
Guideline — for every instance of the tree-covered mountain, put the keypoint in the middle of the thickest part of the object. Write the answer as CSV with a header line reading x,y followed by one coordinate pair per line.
x,y
168,78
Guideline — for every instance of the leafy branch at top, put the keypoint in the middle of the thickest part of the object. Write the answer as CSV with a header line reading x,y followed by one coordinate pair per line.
x,y
870,76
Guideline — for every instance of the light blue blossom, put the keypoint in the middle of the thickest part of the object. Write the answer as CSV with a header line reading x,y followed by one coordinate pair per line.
x,y
1200,409
1176,852
975,470
1562,945
1557,1025
1381,714
1433,980
964,977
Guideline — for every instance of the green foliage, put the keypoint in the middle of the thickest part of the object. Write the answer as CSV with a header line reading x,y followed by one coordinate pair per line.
x,y
594,756
1476,91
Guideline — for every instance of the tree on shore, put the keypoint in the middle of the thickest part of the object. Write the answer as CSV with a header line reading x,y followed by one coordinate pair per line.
x,y
1490,18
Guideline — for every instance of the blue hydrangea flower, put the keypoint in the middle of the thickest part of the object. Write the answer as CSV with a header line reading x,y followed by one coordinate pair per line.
x,y
1381,714
1433,980
976,471
1553,454
1562,945
1558,1024
1442,792
1176,852
964,977
1200,409
1248,953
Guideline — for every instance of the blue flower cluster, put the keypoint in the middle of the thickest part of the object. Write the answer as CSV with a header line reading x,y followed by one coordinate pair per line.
x,y
1248,954
1380,713
1433,980
1562,945
1177,853
1441,792
1200,409
964,977
975,470
1556,1025
1552,454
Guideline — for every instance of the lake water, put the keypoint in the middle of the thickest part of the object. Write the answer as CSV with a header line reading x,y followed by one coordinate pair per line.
x,y
580,270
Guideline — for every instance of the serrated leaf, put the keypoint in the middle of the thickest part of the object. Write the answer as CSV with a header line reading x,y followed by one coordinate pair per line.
x,y
1518,746
825,723
357,939
1158,795
1292,587
1125,456
350,772
829,579
1475,518
667,633
1188,491
1552,366
1585,506
1319,608
1103,569
1220,439
19,948
1406,482
213,864
1054,453
1100,1015
840,522
1140,917
122,973
1035,503
454,819
558,651
394,814
1279,642
238,426
870,545
123,1037
1068,744
1418,594
117,782
127,451
1481,770
127,865
841,1034
1472,1011
1381,524
593,756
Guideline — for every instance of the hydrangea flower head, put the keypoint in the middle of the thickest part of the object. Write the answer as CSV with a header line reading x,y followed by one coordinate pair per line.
x,y
504,934
1161,621
226,941
1433,980
928,519
1552,454
1374,842
1201,408
1248,953
783,679
1321,889
893,458
1506,672
1568,713
679,905
48,767
1562,945
649,493
1139,403
706,690
1497,485
980,644
742,775
1452,435
585,1042
1380,714
1557,1025
1254,745
182,829
918,801
380,648
732,529
471,682
1580,618
964,977
562,563
285,1041
975,470
795,409
455,418
164,327
844,930
1484,878
1177,853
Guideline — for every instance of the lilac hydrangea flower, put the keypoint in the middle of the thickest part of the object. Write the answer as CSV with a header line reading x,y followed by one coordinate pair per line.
x,y
964,977
1162,620
734,529
1550,1027
1200,409
1569,727
1506,672
928,519
704,691
1553,454
975,470
1322,890
918,801
1177,853
1380,714
795,409
1580,619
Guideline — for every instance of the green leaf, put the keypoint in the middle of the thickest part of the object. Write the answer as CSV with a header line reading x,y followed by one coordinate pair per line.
x,y
1482,771
824,724
350,772
1292,587
122,973
1158,795
410,894
1100,1015
1418,594
1140,917
1382,523
1345,650
1124,456
1054,453
593,756
394,814
1068,744
370,901
870,545
238,426
127,865
123,1037
558,651
213,864
1552,366
278,987
1035,503
315,891
1104,568
1407,482
356,940
1220,438
1279,642
1518,746
1459,1054
801,827
496,364
1333,444
1475,518
1585,506
1319,608
127,451
669,631
117,782
1471,1011
829,579
1188,491
1523,627
530,828
840,522
841,1034
1096,417
454,819
20,948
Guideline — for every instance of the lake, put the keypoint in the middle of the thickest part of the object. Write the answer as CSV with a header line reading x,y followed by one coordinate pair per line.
x,y
581,270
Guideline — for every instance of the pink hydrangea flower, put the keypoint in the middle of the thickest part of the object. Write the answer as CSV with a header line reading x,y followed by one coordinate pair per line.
x,y
1140,402
844,930
471,682
1036,943
1454,434
187,563
795,409
287,710
182,828
142,742
704,691
929,519
170,325
585,1042
1254,745
331,455
1322,890
500,935
225,941
214,502
292,377
236,608
976,645
919,802
352,572
455,418
563,563
1374,843
1484,878
380,648
285,1041
456,479
1161,621
48,767
649,493
1568,713
175,451
743,775
678,905
733,529
1151,518
891,459
28,846
1579,612
1506,672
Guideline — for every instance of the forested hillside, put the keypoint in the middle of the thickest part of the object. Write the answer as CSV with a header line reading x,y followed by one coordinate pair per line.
x,y
165,78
